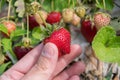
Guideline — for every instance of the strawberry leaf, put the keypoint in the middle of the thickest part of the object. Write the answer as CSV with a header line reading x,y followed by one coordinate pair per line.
x,y
105,4
3,67
3,29
38,33
7,46
106,45
17,32
2,58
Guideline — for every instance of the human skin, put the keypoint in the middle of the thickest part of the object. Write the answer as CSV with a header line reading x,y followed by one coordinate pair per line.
x,y
43,63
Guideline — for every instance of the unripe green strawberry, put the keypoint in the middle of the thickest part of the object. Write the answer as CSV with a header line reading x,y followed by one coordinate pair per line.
x,y
101,19
38,17
80,11
76,20
67,15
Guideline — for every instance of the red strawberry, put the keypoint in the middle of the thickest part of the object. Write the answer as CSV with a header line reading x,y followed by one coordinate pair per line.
x,y
101,19
32,22
10,25
53,17
88,30
21,51
61,38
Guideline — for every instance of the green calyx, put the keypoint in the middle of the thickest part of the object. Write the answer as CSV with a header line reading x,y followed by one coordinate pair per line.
x,y
42,32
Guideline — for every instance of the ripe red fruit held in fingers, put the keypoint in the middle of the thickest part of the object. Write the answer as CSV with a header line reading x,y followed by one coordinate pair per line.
x,y
32,22
21,51
10,25
53,17
61,38
88,30
101,19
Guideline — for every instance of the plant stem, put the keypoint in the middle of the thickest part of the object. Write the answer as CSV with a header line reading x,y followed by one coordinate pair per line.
x,y
84,1
9,9
97,2
23,28
73,3
69,3
104,4
52,5
27,26
42,18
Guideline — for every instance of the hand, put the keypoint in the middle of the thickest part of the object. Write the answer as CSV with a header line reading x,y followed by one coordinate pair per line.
x,y
42,63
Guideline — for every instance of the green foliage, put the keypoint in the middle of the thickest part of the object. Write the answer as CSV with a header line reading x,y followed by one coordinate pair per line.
x,y
3,29
2,3
3,67
17,32
105,4
37,33
107,45
7,46
57,5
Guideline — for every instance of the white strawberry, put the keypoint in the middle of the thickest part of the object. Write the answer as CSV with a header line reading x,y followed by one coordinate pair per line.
x,y
67,15
101,19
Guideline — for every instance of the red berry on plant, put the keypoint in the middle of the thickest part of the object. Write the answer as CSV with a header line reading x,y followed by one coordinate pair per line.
x,y
88,30
21,51
54,17
61,38
32,22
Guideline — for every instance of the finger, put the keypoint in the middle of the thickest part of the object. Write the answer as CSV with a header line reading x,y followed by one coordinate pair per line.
x,y
65,60
75,77
45,65
24,65
75,69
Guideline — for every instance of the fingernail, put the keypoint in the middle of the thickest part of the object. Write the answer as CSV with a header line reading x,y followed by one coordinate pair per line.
x,y
49,50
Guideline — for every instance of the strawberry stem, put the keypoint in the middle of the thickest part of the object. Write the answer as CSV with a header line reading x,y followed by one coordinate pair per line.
x,y
104,4
73,3
27,25
97,2
3,18
52,5
69,3
9,1
23,28
42,18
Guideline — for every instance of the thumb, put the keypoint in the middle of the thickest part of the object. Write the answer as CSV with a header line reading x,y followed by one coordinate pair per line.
x,y
46,64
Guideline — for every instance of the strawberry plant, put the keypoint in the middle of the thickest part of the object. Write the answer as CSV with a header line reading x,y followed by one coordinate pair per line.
x,y
30,22
107,47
